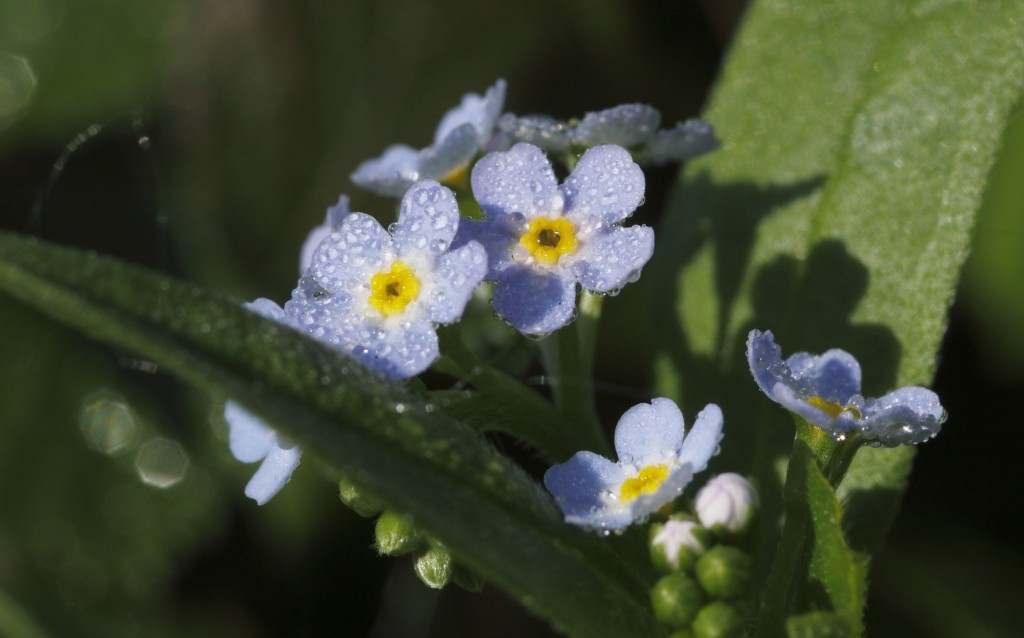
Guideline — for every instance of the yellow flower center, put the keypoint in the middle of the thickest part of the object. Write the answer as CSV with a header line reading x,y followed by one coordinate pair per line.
x,y
392,291
458,179
647,482
549,239
833,409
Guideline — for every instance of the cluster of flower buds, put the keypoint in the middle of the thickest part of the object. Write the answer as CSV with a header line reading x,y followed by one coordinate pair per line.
x,y
707,572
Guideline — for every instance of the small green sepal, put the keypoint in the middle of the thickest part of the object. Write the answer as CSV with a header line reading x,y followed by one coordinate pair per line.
x,y
396,535
434,566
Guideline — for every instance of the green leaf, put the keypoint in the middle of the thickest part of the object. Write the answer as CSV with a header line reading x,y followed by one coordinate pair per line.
x,y
458,488
857,142
814,569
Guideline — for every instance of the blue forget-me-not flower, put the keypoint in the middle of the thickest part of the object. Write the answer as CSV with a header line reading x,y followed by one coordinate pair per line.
x,y
377,296
543,238
656,461
463,132
633,126
251,440
825,391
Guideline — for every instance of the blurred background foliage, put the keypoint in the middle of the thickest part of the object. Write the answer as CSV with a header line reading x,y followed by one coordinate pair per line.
x,y
205,138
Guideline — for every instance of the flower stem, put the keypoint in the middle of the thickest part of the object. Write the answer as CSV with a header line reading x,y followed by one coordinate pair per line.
x,y
784,588
568,357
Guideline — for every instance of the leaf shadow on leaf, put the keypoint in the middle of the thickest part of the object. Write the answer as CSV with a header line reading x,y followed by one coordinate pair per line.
x,y
868,515
727,216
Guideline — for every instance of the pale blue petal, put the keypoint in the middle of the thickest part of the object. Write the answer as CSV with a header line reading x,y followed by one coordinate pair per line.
x,y
267,309
332,221
481,112
535,302
452,153
686,141
701,443
765,360
313,239
348,258
249,438
579,485
427,219
402,350
613,257
498,237
606,185
905,416
834,375
326,317
543,132
649,433
336,214
790,399
646,504
457,276
624,125
275,471
391,173
519,180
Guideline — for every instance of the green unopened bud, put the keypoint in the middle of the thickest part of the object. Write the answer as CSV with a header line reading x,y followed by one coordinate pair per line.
x,y
676,599
676,544
719,620
724,572
358,499
396,534
468,579
434,567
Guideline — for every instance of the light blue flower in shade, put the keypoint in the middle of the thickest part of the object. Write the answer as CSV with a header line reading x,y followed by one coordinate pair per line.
x,y
332,222
543,238
825,391
377,295
253,440
633,126
463,132
656,461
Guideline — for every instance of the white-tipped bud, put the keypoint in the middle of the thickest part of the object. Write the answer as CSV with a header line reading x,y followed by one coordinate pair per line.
x,y
727,503
676,544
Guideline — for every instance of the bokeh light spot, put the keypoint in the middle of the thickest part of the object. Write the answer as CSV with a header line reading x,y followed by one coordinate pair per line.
x,y
161,463
17,84
108,424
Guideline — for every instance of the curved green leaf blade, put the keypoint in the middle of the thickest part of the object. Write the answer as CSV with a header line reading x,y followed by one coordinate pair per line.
x,y
401,448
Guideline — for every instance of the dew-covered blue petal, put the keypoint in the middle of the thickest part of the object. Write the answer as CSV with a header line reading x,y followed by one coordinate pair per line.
x,y
428,219
458,274
535,302
905,416
543,132
519,180
649,432
580,486
606,185
623,125
391,173
688,140
613,257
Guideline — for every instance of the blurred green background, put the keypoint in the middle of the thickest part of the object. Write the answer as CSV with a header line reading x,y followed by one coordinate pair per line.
x,y
204,138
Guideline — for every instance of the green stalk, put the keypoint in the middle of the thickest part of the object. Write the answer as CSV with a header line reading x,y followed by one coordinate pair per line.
x,y
784,588
568,357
